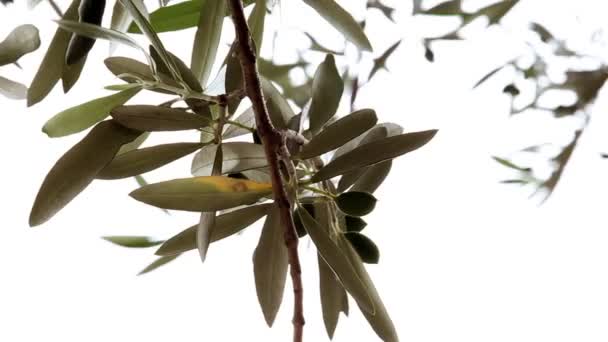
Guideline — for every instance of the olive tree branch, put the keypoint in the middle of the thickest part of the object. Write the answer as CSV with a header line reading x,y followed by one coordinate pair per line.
x,y
280,165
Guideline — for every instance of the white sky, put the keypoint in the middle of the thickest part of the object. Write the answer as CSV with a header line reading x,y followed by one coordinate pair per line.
x,y
463,258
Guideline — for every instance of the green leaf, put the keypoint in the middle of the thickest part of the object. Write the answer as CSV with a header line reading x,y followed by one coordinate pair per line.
x,y
206,224
339,133
121,19
356,203
129,69
342,21
138,162
511,165
12,90
225,225
133,241
247,119
380,319
89,12
148,30
380,62
327,89
365,247
375,152
81,117
279,110
77,168
207,38
338,262
452,7
373,177
22,40
51,68
270,266
354,223
187,74
255,22
158,263
201,194
176,17
237,157
497,11
316,46
157,118
333,297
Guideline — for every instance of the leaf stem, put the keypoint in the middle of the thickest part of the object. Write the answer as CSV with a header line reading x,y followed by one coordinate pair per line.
x,y
277,154
56,8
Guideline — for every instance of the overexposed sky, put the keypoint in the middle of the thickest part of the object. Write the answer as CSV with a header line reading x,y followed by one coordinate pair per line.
x,y
463,258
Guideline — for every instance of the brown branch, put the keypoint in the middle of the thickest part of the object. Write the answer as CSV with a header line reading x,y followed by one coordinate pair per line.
x,y
276,153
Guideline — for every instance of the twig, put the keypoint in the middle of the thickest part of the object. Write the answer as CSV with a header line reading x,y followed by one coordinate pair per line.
x,y
56,8
277,155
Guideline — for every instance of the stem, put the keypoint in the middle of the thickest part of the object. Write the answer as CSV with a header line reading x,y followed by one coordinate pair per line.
x,y
240,125
56,8
277,154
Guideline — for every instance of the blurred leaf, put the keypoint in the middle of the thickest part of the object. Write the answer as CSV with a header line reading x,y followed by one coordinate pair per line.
x,y
339,133
355,203
207,38
374,152
51,67
270,266
225,225
237,156
338,262
77,168
379,319
342,21
255,22
279,110
201,194
247,119
158,263
509,164
545,35
22,40
452,7
366,248
144,160
490,74
155,118
90,12
81,117
389,12
12,90
316,46
121,19
511,89
133,241
380,62
497,11
327,89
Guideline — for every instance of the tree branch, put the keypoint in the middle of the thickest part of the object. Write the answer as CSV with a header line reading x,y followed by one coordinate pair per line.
x,y
274,143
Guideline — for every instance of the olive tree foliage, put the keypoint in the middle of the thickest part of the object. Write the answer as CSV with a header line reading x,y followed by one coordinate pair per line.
x,y
287,158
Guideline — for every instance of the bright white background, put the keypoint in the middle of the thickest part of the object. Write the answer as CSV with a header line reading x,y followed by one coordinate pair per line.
x,y
463,257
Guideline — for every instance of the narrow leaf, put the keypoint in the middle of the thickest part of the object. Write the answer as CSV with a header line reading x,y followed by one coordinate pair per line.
x,y
133,241
270,266
156,118
207,38
225,225
81,117
279,110
77,168
158,263
327,89
342,21
237,157
201,194
375,152
138,162
332,297
247,119
206,223
12,90
372,177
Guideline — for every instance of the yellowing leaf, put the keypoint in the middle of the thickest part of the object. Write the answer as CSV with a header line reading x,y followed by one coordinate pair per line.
x,y
201,194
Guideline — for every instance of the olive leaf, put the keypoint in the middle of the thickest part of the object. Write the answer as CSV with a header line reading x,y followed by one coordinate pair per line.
x,y
201,194
342,21
247,119
372,177
77,168
338,133
379,319
365,247
137,162
207,38
158,263
279,110
51,68
270,266
373,153
156,118
187,74
330,252
90,12
452,7
256,23
237,157
129,69
333,297
22,40
356,203
83,116
327,89
12,90
133,145
133,241
226,225
207,221
354,223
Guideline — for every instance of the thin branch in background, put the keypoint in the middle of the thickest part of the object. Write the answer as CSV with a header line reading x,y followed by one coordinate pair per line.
x,y
274,143
56,8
